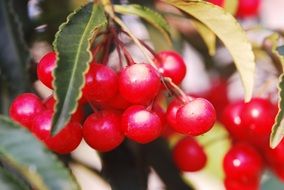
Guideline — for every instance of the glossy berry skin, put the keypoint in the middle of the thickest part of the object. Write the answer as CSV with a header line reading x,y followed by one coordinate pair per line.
x,y
101,83
25,107
195,117
258,117
65,141
275,157
220,3
78,116
45,67
141,125
139,83
117,102
243,163
231,184
171,65
231,118
248,8
172,111
188,155
102,131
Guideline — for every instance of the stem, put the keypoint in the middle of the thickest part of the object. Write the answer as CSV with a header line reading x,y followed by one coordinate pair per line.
x,y
109,9
175,89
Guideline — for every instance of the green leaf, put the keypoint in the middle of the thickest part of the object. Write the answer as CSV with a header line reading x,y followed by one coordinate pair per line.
x,y
72,45
278,127
226,27
231,6
149,15
277,132
10,182
207,35
22,151
14,54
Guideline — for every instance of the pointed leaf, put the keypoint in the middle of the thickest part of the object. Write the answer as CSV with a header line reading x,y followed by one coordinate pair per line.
x,y
147,14
207,35
72,45
10,182
231,6
22,151
226,27
278,127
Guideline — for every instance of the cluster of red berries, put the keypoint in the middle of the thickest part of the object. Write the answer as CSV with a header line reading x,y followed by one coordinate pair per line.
x,y
246,8
125,104
250,125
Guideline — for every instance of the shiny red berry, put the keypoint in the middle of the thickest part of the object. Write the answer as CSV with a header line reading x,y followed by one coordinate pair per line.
x,y
139,83
141,125
220,3
258,117
243,163
231,118
188,155
248,8
24,108
63,142
172,111
45,68
232,184
102,131
101,83
195,117
78,116
171,65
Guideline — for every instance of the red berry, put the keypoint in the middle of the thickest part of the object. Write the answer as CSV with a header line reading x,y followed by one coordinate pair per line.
x,y
247,8
275,157
243,163
141,125
220,3
195,117
102,131
78,116
172,111
25,107
189,155
231,118
45,68
171,65
231,184
63,142
139,83
101,83
117,102
258,117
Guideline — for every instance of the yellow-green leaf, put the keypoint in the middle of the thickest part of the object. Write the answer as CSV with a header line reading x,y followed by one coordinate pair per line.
x,y
153,17
231,6
277,132
207,35
226,27
72,45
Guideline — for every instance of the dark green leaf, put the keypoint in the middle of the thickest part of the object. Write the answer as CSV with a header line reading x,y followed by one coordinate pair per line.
x,y
226,27
22,151
72,45
14,54
147,14
10,182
